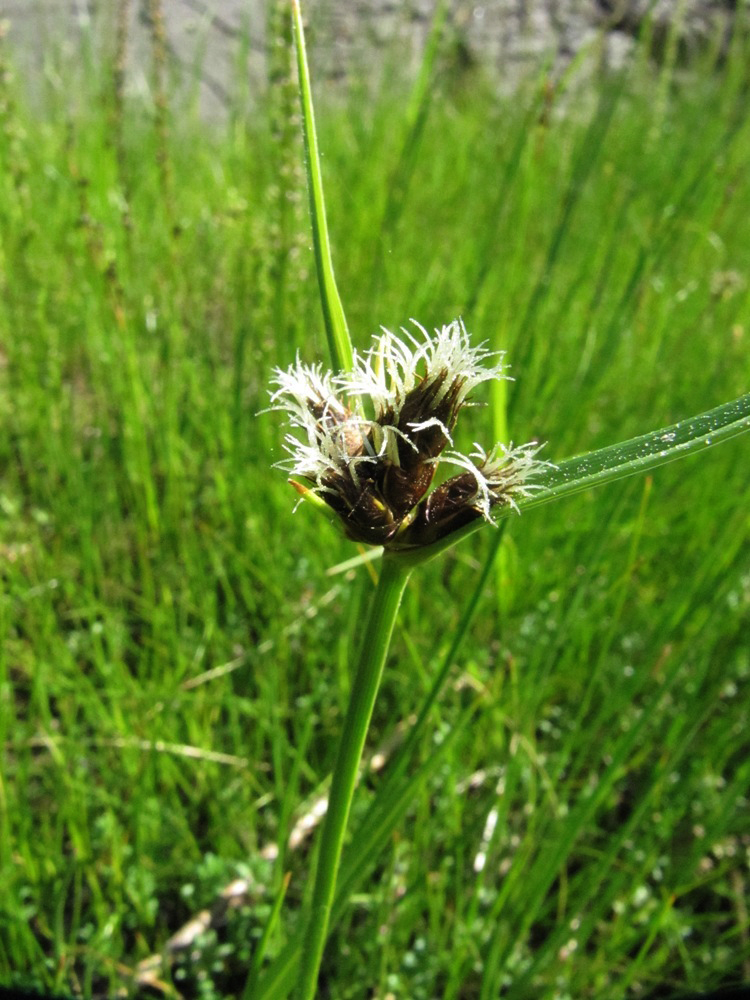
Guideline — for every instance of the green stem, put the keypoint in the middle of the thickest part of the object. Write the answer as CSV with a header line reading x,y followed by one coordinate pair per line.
x,y
394,574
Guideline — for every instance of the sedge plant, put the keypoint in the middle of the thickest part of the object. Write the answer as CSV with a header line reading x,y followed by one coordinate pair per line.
x,y
365,442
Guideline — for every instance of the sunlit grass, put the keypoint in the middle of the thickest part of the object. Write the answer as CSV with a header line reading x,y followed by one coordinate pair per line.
x,y
174,659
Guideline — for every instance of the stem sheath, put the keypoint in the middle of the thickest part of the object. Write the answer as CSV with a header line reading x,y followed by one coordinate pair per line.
x,y
376,639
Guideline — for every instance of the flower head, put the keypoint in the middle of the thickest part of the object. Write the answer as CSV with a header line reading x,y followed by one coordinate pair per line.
x,y
375,471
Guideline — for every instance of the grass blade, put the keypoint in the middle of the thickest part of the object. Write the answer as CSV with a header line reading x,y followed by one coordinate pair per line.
x,y
646,452
260,951
337,330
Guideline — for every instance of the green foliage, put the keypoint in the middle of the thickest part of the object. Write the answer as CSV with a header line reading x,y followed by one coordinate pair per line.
x,y
571,818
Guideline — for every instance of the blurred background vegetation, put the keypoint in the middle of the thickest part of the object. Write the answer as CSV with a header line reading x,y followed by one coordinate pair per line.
x,y
175,640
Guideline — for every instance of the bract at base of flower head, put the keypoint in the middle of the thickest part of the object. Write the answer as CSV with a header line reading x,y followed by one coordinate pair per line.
x,y
375,472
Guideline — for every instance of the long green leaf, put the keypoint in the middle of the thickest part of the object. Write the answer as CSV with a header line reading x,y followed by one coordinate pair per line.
x,y
687,437
337,331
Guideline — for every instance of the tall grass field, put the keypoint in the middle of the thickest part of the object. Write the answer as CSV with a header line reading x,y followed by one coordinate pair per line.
x,y
567,814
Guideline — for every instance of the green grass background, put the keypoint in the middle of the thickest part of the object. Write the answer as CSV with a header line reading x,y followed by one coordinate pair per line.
x,y
174,655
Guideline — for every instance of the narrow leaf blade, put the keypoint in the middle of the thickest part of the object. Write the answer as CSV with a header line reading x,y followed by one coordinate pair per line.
x,y
640,454
337,331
